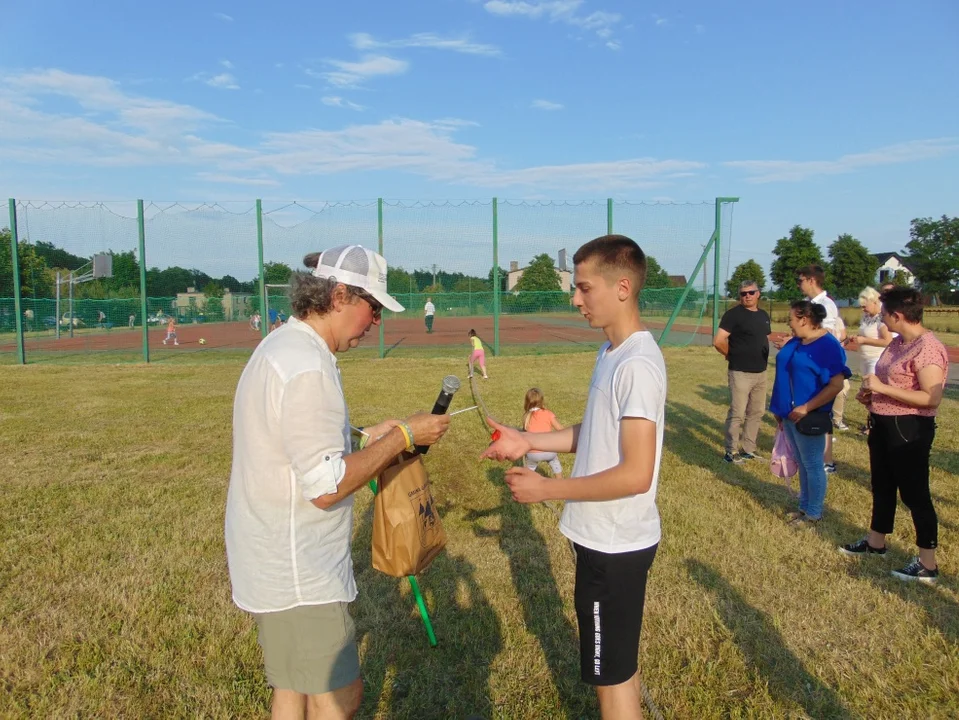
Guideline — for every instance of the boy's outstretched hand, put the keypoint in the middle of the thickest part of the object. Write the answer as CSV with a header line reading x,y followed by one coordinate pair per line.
x,y
526,485
508,443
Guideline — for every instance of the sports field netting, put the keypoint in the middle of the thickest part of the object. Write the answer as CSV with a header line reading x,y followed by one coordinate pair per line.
x,y
210,267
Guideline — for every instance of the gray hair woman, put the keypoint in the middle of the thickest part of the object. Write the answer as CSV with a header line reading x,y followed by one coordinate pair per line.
x,y
873,335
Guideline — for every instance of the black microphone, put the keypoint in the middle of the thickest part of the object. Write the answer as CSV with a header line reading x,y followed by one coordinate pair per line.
x,y
451,384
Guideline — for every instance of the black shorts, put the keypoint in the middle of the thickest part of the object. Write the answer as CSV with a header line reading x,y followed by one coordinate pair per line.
x,y
609,598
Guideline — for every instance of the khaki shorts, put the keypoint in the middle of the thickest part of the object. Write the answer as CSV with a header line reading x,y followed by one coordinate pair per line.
x,y
310,649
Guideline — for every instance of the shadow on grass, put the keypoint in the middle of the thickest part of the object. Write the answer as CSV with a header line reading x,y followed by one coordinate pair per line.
x,y
391,348
764,650
694,437
533,577
403,676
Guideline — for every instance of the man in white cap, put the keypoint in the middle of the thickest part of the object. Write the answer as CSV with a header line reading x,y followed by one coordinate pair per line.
x,y
289,513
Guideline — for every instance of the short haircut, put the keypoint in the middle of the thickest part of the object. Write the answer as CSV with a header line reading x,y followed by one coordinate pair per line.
x,y
814,273
748,284
815,312
905,301
869,294
615,252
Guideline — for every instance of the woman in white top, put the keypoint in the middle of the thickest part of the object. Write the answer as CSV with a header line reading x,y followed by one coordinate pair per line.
x,y
873,335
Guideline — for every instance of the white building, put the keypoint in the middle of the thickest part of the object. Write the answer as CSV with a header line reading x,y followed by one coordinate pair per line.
x,y
565,276
889,264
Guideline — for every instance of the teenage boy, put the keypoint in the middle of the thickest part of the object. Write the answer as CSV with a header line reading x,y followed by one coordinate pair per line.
x,y
610,512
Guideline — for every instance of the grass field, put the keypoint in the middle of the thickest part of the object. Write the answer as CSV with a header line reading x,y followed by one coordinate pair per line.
x,y
115,600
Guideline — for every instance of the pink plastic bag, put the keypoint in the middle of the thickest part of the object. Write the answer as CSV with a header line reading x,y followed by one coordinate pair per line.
x,y
783,463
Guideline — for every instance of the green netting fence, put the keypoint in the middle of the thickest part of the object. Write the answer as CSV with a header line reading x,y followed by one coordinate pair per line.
x,y
215,268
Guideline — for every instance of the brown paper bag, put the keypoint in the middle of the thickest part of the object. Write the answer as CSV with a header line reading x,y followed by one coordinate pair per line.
x,y
407,532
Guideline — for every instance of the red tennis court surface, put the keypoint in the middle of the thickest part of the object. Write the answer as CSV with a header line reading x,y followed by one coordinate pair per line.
x,y
399,333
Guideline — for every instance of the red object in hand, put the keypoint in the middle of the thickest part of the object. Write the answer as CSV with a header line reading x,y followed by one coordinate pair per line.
x,y
496,435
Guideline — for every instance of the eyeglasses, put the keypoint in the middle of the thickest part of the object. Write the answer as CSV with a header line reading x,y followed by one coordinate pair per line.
x,y
374,304
744,293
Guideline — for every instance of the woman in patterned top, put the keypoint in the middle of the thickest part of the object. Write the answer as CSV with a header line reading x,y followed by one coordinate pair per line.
x,y
874,336
903,397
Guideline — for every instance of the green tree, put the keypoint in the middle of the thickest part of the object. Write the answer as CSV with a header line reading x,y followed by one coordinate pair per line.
x,y
851,267
539,276
656,276
794,252
503,278
745,272
58,258
399,280
126,271
277,273
35,279
213,310
213,290
934,253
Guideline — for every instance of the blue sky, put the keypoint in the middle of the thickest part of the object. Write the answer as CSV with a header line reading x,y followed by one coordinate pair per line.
x,y
842,116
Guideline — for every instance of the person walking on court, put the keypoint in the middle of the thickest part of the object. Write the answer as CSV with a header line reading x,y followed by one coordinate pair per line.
x,y
477,354
429,310
132,320
743,339
610,511
289,510
171,331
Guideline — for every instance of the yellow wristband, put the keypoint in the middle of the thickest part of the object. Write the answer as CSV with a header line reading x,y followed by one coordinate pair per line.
x,y
407,435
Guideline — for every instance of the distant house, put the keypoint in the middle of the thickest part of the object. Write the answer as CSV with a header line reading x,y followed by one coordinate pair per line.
x,y
565,276
677,281
889,264
235,305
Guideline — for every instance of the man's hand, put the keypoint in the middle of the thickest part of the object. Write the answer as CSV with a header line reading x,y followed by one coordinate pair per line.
x,y
527,486
511,444
798,413
428,428
379,430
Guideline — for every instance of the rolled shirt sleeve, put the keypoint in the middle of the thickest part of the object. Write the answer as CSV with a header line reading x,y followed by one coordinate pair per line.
x,y
313,415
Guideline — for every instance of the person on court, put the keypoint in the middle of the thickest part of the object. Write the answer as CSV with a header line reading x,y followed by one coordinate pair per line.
x,y
289,510
610,511
171,331
429,310
477,354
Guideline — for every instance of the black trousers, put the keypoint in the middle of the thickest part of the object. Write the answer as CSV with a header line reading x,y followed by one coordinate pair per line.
x,y
429,323
899,448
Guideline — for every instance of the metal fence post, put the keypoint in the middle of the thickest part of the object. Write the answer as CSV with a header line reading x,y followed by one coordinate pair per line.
x,y
379,234
609,216
15,263
264,319
143,282
496,290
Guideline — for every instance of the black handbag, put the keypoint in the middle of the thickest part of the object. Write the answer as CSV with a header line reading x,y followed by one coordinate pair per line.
x,y
815,422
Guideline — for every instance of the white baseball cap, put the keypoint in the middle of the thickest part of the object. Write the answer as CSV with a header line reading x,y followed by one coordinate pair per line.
x,y
361,268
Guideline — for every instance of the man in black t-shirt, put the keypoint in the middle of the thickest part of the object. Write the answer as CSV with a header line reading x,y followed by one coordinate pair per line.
x,y
743,340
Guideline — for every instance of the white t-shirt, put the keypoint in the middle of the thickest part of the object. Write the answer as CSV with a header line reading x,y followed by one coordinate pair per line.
x,y
430,308
629,381
832,313
291,429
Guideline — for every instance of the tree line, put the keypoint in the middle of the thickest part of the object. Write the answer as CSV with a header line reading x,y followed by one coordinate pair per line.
x,y
932,254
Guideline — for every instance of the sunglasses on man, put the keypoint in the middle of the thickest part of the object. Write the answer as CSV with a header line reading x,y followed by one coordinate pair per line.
x,y
374,304
744,293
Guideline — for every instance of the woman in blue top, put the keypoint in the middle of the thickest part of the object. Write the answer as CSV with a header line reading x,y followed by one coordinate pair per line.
x,y
810,370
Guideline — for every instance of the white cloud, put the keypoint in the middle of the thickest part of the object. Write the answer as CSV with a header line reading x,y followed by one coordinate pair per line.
x,y
351,74
613,45
545,105
564,11
223,16
336,101
102,125
764,171
236,180
224,81
227,64
659,20
365,41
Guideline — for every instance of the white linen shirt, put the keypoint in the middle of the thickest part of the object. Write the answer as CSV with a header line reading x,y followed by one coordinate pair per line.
x,y
291,429
429,309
